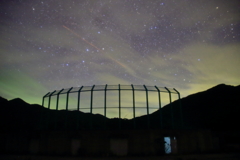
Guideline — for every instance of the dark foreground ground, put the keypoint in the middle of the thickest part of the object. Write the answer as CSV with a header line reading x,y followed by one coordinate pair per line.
x,y
225,156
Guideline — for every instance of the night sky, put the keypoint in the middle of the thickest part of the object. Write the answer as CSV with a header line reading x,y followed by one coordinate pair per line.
x,y
47,45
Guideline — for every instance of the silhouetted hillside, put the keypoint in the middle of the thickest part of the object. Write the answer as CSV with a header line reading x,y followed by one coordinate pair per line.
x,y
216,109
19,115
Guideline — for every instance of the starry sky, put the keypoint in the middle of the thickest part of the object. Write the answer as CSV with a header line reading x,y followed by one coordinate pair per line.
x,y
47,45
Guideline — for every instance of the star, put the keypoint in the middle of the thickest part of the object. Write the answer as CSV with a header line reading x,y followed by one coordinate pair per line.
x,y
163,43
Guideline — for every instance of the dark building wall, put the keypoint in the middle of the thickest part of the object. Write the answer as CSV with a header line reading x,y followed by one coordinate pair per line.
x,y
194,141
106,142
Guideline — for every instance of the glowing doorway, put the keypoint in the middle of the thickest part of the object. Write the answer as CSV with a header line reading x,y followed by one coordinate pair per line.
x,y
170,145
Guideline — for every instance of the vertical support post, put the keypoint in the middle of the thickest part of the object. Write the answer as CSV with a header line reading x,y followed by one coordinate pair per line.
x,y
44,98
134,120
119,105
57,108
78,106
105,101
147,103
42,112
170,99
160,107
49,104
91,106
58,99
49,99
66,119
68,98
180,106
105,105
91,101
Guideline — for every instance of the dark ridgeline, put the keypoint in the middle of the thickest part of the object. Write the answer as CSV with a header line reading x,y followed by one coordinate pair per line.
x,y
217,109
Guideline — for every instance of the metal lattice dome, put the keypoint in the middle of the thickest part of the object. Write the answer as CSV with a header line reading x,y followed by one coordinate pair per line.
x,y
113,101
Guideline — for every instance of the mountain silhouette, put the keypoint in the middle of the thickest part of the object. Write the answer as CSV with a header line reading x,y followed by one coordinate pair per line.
x,y
217,108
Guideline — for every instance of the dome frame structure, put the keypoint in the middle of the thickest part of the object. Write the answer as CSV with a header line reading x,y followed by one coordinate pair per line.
x,y
119,89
